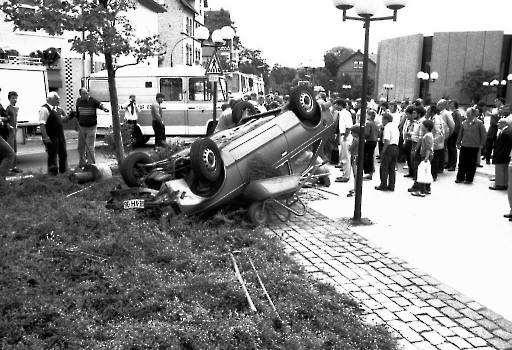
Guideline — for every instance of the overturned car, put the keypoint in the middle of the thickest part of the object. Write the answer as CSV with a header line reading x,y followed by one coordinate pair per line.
x,y
215,169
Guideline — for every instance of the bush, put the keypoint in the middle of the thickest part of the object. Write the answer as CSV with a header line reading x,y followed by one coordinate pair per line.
x,y
76,275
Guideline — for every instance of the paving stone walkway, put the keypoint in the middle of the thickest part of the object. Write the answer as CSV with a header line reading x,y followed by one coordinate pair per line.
x,y
423,312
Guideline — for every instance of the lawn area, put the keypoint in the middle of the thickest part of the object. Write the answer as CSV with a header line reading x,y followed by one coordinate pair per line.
x,y
75,275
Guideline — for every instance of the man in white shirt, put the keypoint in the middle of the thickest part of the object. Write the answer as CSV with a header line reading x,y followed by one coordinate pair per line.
x,y
345,138
131,110
389,154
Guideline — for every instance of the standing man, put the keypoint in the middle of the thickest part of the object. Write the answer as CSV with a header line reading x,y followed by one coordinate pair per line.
x,y
131,111
12,122
50,122
86,107
158,123
448,129
501,156
389,154
471,139
345,139
451,143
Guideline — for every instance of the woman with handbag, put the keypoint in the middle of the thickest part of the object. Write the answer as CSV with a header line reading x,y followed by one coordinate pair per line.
x,y
424,177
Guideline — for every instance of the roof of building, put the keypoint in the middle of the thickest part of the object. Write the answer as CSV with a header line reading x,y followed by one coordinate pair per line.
x,y
153,6
188,6
358,52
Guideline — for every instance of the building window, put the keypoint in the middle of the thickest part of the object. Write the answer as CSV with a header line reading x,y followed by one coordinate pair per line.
x,y
172,89
358,64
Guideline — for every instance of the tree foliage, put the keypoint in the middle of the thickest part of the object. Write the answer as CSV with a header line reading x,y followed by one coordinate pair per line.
x,y
334,57
471,83
107,31
252,62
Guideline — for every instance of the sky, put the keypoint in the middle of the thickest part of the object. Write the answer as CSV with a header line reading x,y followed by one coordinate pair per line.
x,y
296,33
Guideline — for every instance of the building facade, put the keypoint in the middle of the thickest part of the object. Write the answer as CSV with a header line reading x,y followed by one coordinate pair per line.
x,y
451,55
353,67
177,28
65,75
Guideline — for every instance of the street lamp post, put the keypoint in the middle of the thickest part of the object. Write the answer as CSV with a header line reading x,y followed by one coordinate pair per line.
x,y
346,87
219,37
366,9
388,87
426,79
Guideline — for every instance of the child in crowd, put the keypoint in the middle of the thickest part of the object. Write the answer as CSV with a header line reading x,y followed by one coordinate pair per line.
x,y
354,148
426,152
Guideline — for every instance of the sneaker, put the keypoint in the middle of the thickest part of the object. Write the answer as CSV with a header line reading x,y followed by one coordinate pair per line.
x,y
16,170
412,189
418,194
391,189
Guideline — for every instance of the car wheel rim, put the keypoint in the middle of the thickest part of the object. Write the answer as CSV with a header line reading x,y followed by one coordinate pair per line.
x,y
306,101
209,159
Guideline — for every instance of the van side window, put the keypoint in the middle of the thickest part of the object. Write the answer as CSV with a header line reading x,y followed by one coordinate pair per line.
x,y
172,88
199,90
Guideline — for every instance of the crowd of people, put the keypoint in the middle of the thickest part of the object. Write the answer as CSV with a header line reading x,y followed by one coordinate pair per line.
x,y
429,139
51,119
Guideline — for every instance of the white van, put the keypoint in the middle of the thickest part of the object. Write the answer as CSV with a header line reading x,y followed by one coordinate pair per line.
x,y
187,107
28,77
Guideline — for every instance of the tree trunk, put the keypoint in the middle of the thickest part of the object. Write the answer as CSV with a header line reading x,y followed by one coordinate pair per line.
x,y
114,105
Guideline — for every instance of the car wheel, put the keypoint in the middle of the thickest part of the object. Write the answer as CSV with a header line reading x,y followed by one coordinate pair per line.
x,y
205,159
242,110
303,103
257,215
131,169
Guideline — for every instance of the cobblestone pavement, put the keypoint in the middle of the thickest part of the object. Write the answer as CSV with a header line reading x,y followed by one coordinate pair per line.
x,y
423,312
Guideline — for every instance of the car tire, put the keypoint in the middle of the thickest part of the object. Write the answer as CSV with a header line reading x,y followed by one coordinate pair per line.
x,y
257,215
240,109
303,103
131,171
205,159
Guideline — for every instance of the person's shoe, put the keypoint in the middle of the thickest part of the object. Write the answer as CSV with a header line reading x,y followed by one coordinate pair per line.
x,y
407,175
487,162
391,189
479,165
508,216
381,188
16,170
405,167
492,179
368,177
418,194
342,179
457,181
412,189
451,169
498,188
468,182
338,166
510,219
427,191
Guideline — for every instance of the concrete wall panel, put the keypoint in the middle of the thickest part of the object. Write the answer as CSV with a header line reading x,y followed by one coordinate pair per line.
x,y
455,65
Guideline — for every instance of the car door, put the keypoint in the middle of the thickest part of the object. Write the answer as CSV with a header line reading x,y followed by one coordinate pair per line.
x,y
174,105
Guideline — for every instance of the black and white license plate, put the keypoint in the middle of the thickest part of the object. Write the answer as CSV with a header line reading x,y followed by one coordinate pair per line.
x,y
133,204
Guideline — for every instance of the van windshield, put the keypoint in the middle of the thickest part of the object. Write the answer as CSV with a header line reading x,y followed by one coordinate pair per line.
x,y
233,82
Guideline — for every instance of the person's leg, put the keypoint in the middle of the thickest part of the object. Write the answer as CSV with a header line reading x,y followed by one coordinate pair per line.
x,y
441,158
385,160
474,154
392,167
478,158
434,165
11,140
63,154
344,159
90,137
461,173
371,158
7,156
81,149
408,159
510,186
452,152
51,149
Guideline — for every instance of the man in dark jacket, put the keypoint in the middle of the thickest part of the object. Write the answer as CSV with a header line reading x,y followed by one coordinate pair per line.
x,y
501,156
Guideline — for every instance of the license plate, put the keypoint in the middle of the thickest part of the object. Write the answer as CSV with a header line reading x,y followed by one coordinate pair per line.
x,y
134,204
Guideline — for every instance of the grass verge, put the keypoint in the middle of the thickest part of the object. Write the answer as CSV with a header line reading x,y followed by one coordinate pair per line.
x,y
78,276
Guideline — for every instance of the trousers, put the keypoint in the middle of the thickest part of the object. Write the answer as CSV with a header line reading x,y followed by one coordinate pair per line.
x,y
467,163
57,148
6,157
88,135
388,161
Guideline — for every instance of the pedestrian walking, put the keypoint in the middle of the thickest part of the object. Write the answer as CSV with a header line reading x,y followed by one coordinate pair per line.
x,y
389,155
51,117
158,123
86,107
471,139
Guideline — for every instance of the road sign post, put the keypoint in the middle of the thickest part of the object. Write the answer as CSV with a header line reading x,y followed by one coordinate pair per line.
x,y
213,71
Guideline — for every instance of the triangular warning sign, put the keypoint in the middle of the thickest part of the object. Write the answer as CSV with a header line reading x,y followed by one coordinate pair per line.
x,y
214,66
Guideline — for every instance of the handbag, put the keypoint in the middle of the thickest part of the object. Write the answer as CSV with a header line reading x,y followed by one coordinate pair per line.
x,y
424,173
